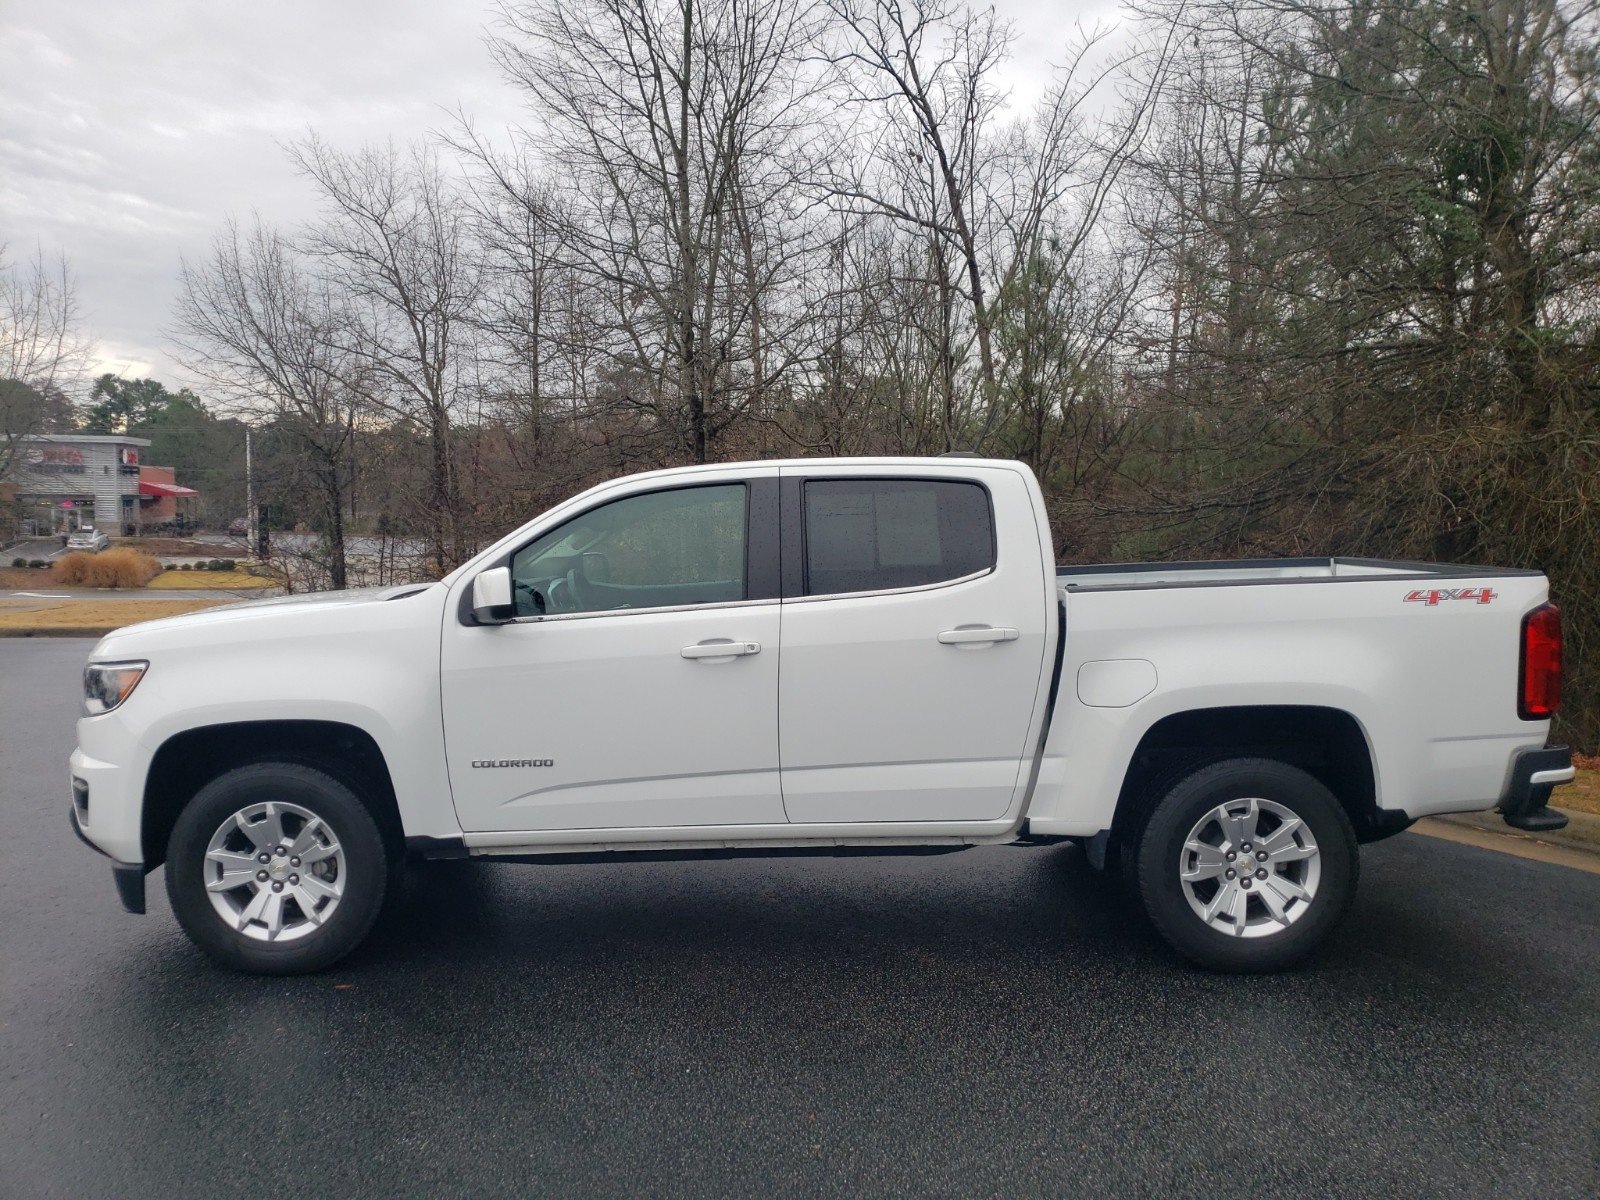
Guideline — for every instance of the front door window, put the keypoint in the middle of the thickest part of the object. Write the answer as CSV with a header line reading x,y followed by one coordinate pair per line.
x,y
665,549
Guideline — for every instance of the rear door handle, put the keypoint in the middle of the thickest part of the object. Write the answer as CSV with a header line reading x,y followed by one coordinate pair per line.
x,y
966,637
720,649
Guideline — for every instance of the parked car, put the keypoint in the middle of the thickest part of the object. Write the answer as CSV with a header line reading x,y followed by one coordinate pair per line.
x,y
838,657
88,539
239,527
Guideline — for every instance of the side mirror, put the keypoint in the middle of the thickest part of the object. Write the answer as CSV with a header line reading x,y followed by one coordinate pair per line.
x,y
491,597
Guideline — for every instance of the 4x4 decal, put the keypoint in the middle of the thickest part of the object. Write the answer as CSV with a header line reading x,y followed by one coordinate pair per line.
x,y
1432,596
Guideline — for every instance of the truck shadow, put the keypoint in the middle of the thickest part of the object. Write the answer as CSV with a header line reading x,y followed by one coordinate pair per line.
x,y
1005,908
1039,902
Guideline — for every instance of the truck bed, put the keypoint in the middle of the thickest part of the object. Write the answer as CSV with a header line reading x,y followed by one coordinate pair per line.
x,y
1123,576
1422,659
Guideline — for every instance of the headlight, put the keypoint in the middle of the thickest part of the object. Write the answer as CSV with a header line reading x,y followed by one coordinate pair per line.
x,y
106,685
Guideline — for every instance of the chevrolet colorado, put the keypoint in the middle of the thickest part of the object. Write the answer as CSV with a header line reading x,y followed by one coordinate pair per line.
x,y
837,656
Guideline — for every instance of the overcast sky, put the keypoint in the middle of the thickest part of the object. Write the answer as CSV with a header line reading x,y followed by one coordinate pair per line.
x,y
133,128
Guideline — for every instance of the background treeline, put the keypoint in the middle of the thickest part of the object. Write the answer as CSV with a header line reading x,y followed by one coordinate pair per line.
x,y
1263,277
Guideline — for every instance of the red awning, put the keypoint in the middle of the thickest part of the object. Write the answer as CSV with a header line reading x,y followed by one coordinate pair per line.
x,y
148,488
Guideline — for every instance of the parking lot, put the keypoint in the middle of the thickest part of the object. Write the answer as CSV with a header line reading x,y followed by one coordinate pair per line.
x,y
999,1022
34,548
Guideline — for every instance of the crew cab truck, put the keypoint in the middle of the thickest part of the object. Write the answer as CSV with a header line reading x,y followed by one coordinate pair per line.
x,y
835,656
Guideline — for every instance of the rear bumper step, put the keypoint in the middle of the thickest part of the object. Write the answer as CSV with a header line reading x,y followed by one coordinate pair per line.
x,y
1534,775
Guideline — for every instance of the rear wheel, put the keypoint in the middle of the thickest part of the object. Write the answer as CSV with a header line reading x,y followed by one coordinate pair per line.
x,y
1247,865
276,868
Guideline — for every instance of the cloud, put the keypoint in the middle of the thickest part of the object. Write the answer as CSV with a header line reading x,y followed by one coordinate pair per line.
x,y
133,130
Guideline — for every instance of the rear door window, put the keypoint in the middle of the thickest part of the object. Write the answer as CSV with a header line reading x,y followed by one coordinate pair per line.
x,y
868,535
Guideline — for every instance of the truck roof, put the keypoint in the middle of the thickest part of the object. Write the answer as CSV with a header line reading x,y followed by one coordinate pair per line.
x,y
943,462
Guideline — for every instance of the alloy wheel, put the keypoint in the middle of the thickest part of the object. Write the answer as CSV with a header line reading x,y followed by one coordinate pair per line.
x,y
274,871
1250,868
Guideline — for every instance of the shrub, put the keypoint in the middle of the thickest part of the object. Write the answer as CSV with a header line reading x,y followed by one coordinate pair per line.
x,y
108,569
38,564
223,564
19,562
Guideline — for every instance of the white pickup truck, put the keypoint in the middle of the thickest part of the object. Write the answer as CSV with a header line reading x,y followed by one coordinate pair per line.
x,y
830,656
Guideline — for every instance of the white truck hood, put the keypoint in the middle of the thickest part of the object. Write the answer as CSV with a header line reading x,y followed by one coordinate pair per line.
x,y
249,617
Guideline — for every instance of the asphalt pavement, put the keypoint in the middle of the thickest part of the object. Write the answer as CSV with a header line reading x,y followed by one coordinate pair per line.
x,y
993,1023
32,548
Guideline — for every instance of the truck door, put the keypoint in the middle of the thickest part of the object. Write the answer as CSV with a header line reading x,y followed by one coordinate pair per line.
x,y
638,685
913,645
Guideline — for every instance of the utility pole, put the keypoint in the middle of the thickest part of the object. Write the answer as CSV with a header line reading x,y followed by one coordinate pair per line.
x,y
249,495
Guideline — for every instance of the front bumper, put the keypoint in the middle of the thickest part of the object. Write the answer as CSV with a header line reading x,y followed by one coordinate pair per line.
x,y
1525,803
129,877
111,815
105,812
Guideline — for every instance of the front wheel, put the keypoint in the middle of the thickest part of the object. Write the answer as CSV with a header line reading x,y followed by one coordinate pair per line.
x,y
276,868
1247,865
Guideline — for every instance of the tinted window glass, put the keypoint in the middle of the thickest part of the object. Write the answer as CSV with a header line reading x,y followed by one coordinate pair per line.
x,y
654,550
869,534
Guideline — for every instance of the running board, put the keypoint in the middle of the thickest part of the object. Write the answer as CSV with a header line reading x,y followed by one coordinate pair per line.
x,y
566,855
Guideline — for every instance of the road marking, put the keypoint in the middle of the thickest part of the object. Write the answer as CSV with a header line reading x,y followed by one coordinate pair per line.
x,y
1510,843
43,595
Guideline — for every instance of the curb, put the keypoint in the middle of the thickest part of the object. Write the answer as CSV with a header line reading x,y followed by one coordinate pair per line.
x,y
56,631
1581,834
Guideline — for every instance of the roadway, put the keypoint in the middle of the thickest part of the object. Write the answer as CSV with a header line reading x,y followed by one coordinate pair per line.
x,y
130,595
995,1023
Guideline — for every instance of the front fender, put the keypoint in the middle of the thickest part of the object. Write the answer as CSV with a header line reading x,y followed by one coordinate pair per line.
x,y
373,666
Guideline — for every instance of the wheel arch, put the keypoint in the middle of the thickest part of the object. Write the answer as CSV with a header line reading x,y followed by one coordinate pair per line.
x,y
190,759
1328,743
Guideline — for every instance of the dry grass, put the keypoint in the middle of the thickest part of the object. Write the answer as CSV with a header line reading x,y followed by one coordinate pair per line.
x,y
91,616
29,579
108,569
168,547
1583,793
24,578
229,580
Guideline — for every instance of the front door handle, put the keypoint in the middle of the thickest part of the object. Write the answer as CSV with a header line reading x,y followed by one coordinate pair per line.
x,y
720,649
966,637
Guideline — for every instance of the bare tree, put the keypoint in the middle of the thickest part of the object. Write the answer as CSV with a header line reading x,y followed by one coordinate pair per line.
x,y
670,121
518,235
992,198
43,350
933,66
275,340
395,241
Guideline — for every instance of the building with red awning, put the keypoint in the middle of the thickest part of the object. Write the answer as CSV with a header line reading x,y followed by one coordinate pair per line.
x,y
161,497
65,481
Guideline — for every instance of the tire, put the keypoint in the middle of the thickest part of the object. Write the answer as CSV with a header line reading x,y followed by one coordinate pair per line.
x,y
325,899
1291,902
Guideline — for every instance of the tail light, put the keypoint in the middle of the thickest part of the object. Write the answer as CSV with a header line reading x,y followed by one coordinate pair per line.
x,y
1540,692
